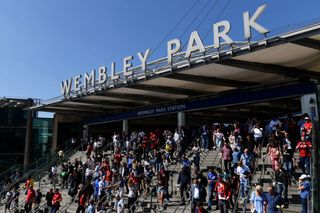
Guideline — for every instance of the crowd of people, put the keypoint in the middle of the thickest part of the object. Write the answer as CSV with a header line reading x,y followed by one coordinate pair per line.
x,y
137,165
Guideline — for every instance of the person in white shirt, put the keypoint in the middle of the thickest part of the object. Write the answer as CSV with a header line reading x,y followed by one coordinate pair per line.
x,y
258,138
244,173
120,204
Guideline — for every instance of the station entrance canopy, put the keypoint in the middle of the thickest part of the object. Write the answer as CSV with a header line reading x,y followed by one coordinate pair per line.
x,y
280,66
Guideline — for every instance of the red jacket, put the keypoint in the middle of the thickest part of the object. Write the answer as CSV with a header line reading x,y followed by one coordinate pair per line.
x,y
56,198
31,194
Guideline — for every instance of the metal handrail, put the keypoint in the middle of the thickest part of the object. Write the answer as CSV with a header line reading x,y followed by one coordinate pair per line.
x,y
43,172
246,197
42,166
172,171
67,205
189,201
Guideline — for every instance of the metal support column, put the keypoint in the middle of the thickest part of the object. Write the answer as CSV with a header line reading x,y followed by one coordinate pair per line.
x,y
125,126
28,140
181,119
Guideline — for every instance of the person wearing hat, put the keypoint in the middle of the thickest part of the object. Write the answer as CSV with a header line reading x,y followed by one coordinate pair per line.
x,y
304,191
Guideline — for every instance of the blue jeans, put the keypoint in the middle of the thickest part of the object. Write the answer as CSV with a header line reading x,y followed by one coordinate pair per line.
x,y
218,143
288,167
244,187
305,165
205,141
281,188
196,160
210,193
304,202
223,206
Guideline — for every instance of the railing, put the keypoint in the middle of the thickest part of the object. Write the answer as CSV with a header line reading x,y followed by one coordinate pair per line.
x,y
250,186
42,172
154,187
189,201
67,205
33,166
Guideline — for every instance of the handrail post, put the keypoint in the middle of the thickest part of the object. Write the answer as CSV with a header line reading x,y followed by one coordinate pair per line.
x,y
151,198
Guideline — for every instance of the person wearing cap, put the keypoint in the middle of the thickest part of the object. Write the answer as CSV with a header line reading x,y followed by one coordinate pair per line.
x,y
257,200
304,148
304,191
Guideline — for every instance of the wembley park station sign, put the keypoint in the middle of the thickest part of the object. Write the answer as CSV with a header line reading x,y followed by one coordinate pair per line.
x,y
100,79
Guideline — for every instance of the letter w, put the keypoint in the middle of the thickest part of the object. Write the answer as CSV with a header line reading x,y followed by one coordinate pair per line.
x,y
66,87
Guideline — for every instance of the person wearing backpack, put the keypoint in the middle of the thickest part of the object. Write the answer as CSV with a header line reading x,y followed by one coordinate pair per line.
x,y
257,200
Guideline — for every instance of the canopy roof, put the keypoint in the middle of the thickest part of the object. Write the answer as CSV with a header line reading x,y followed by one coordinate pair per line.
x,y
283,59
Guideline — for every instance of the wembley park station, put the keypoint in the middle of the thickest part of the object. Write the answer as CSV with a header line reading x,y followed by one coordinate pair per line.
x,y
273,75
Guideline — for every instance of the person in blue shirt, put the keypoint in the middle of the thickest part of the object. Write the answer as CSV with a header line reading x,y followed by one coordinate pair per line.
x,y
304,188
236,154
273,201
212,179
257,200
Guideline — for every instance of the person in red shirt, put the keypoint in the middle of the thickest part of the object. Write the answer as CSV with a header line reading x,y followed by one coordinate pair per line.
x,y
82,196
31,194
57,198
304,148
118,159
224,193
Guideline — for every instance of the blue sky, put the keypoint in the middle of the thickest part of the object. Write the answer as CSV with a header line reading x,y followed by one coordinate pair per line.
x,y
43,42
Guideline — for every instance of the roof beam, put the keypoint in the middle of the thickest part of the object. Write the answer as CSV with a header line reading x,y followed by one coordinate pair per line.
x,y
92,105
109,104
308,42
271,68
62,108
169,90
137,97
210,80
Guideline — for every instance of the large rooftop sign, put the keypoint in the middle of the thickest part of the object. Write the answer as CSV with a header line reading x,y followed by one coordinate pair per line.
x,y
99,80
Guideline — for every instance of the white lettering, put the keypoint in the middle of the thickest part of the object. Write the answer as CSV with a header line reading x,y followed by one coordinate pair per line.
x,y
251,22
173,47
102,75
127,65
114,76
194,44
66,87
143,59
77,82
89,79
223,34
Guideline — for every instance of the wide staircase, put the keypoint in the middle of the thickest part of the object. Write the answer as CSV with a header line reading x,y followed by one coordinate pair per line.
x,y
264,175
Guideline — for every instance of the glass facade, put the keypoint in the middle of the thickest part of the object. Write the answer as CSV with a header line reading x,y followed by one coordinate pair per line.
x,y
13,125
13,128
42,130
